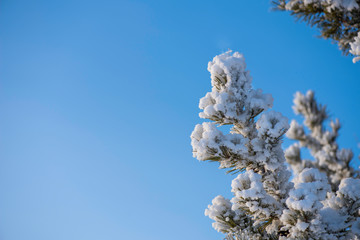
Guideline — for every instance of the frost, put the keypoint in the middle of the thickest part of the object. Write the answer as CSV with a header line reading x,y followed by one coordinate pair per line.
x,y
302,226
323,199
295,130
292,154
350,188
355,48
310,188
328,4
345,4
272,125
304,203
208,142
232,99
221,212
333,220
250,195
321,142
336,19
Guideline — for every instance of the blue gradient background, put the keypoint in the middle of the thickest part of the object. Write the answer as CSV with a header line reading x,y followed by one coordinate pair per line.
x,y
98,99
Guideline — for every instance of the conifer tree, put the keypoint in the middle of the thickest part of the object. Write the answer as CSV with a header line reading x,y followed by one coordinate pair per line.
x,y
338,20
321,201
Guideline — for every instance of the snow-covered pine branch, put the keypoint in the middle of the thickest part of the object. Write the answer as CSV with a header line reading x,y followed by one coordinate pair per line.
x,y
322,201
338,20
355,48
322,143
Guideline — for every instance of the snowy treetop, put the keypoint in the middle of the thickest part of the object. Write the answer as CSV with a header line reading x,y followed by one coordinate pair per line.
x,y
321,202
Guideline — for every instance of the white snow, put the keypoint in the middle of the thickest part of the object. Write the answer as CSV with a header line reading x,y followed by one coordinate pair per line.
x,y
232,98
207,141
272,124
323,200
347,5
350,188
355,48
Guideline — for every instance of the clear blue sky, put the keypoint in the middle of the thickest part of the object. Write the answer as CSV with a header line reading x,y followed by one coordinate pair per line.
x,y
98,99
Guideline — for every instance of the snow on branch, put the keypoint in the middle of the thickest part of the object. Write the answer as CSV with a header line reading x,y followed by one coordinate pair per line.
x,y
323,199
338,20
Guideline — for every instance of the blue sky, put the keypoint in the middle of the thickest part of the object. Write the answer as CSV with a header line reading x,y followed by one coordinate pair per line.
x,y
98,99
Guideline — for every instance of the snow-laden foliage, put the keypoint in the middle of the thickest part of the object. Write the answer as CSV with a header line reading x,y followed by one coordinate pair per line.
x,y
338,20
226,219
328,157
321,202
329,5
301,219
355,48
